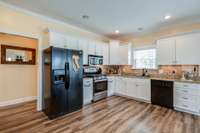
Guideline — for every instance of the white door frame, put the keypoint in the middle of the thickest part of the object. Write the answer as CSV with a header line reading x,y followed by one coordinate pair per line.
x,y
39,61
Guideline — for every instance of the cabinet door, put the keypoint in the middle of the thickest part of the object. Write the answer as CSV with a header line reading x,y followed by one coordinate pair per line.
x,y
120,86
91,48
72,43
166,51
105,54
99,49
187,49
144,89
83,45
114,55
123,54
57,39
111,86
87,90
132,88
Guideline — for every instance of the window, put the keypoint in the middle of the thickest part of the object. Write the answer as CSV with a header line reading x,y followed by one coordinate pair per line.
x,y
145,58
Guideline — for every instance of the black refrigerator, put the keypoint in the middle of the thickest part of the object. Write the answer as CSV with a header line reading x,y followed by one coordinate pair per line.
x,y
63,79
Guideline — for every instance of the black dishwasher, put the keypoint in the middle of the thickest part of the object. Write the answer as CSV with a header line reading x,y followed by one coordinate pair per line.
x,y
162,93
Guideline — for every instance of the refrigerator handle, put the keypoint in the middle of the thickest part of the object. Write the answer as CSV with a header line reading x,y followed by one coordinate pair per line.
x,y
67,76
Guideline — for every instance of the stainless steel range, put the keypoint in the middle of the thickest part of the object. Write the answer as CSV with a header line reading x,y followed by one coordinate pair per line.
x,y
100,82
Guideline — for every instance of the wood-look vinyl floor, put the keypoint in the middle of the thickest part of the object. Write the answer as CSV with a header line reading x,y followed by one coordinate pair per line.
x,y
111,115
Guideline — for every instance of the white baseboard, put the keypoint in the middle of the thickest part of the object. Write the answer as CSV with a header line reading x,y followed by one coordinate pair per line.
x,y
17,101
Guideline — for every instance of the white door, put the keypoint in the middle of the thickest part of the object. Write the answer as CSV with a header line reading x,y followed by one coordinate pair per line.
x,y
105,54
144,89
72,43
99,49
132,88
57,39
188,49
123,56
113,51
111,86
91,48
87,90
120,86
166,51
83,45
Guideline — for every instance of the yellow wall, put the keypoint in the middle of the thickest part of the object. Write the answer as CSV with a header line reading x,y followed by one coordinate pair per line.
x,y
18,81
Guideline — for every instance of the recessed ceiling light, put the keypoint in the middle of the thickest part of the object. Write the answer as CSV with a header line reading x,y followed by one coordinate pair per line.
x,y
167,17
117,31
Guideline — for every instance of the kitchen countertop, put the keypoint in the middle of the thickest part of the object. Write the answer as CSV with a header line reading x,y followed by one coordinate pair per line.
x,y
156,78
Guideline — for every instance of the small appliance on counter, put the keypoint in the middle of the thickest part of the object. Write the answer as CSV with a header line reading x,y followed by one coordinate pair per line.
x,y
63,79
100,82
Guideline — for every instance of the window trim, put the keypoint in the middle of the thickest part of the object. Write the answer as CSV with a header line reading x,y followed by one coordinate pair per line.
x,y
144,48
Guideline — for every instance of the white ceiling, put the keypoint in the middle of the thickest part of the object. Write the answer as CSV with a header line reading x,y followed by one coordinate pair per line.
x,y
106,16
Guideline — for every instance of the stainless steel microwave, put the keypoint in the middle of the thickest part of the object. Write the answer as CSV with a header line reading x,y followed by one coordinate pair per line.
x,y
95,60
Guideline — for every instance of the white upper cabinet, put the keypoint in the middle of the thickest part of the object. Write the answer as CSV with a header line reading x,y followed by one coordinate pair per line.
x,y
91,48
56,39
166,51
99,49
123,54
72,43
114,55
188,49
179,50
119,53
88,47
105,54
83,45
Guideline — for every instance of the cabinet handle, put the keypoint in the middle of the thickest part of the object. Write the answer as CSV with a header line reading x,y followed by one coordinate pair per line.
x,y
185,106
185,91
88,85
185,98
185,86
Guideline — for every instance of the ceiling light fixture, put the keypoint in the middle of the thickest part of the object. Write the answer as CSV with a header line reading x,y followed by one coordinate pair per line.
x,y
167,17
117,31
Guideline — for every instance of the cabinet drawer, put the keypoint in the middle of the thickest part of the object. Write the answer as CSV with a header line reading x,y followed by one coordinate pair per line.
x,y
184,85
187,91
186,105
185,97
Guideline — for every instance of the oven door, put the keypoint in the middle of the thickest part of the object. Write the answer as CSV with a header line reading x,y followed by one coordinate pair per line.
x,y
100,90
100,86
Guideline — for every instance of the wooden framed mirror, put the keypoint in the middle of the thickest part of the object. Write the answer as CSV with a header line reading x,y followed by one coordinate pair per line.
x,y
17,55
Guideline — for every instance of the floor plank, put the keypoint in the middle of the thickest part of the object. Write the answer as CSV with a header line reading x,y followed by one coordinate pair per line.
x,y
111,115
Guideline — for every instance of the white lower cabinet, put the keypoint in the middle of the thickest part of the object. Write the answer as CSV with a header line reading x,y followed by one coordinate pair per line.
x,y
187,97
111,86
144,89
120,88
133,87
87,90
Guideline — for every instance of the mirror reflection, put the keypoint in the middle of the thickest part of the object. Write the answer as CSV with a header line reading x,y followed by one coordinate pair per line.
x,y
18,55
